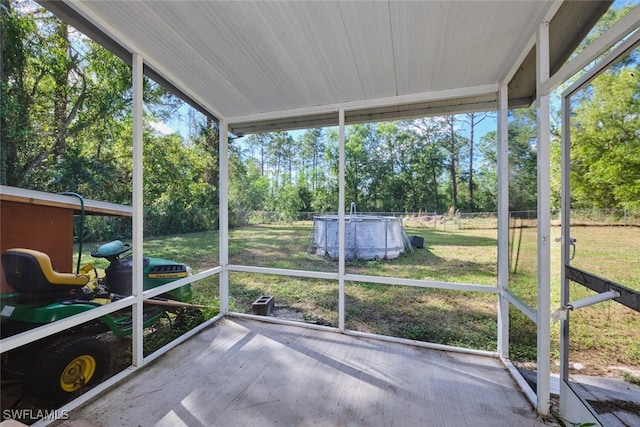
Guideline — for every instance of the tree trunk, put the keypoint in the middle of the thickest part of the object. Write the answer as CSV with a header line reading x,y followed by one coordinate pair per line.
x,y
213,142
471,204
61,91
453,164
472,126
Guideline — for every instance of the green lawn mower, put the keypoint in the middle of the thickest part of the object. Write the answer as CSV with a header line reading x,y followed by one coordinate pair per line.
x,y
59,368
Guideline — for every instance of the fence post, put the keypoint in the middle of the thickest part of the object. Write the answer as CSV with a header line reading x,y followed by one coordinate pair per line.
x,y
459,220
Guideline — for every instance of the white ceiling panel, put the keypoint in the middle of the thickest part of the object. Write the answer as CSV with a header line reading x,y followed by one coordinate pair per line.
x,y
259,60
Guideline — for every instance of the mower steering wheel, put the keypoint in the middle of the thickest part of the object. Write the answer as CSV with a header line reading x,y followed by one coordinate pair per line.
x,y
96,253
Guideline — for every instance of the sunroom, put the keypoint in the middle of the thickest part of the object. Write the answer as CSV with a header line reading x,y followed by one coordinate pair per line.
x,y
270,66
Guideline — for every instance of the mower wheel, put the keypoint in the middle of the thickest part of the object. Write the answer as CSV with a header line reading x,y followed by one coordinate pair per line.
x,y
65,369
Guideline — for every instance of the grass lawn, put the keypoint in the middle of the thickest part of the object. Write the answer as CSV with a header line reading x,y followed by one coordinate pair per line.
x,y
604,337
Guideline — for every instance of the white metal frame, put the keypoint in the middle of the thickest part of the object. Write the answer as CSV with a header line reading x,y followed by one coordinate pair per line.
x,y
544,222
545,83
572,407
138,210
223,232
136,300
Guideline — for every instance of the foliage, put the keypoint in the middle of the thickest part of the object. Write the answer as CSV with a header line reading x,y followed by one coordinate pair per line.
x,y
286,202
630,378
606,141
66,125
522,167
176,199
248,190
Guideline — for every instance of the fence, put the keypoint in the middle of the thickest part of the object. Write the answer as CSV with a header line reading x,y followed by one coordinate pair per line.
x,y
475,220
588,217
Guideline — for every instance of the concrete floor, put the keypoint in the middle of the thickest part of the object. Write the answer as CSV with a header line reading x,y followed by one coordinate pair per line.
x,y
243,372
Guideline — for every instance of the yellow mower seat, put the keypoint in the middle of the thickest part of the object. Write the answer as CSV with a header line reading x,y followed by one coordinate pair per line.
x,y
30,271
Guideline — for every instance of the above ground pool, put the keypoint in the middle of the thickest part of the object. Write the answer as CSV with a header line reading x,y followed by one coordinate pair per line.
x,y
366,237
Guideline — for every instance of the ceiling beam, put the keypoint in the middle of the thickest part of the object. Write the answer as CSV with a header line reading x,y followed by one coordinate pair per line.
x,y
464,92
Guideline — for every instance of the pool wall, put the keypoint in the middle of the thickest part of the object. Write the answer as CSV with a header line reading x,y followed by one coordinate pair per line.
x,y
366,237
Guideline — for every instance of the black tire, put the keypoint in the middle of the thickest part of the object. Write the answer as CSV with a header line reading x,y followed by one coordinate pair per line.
x,y
65,369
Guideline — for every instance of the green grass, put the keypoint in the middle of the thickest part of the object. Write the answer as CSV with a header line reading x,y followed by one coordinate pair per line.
x,y
602,336
630,378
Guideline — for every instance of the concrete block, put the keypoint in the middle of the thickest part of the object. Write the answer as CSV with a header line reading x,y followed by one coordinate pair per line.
x,y
263,306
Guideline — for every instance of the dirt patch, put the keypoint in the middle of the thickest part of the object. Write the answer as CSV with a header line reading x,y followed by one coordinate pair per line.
x,y
298,315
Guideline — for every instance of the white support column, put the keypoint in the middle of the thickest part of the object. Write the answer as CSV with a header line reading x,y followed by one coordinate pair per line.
x,y
566,236
544,221
138,209
223,232
503,221
341,227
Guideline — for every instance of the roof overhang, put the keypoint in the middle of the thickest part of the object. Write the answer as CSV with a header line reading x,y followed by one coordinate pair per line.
x,y
265,66
63,201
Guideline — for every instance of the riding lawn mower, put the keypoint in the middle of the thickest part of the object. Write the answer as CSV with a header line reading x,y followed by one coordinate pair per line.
x,y
60,367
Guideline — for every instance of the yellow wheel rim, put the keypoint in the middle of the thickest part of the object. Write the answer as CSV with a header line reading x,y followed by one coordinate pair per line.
x,y
77,373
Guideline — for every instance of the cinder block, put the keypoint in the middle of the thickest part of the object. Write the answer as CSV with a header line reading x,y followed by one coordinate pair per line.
x,y
263,306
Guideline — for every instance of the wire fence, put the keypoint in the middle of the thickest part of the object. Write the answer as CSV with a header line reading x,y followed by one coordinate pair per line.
x,y
481,220
471,220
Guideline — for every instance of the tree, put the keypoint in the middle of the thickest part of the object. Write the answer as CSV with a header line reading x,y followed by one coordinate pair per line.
x,y
453,144
207,142
281,151
17,88
312,148
248,189
177,199
66,125
522,162
62,91
54,97
326,197
360,146
429,163
258,142
605,142
472,119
